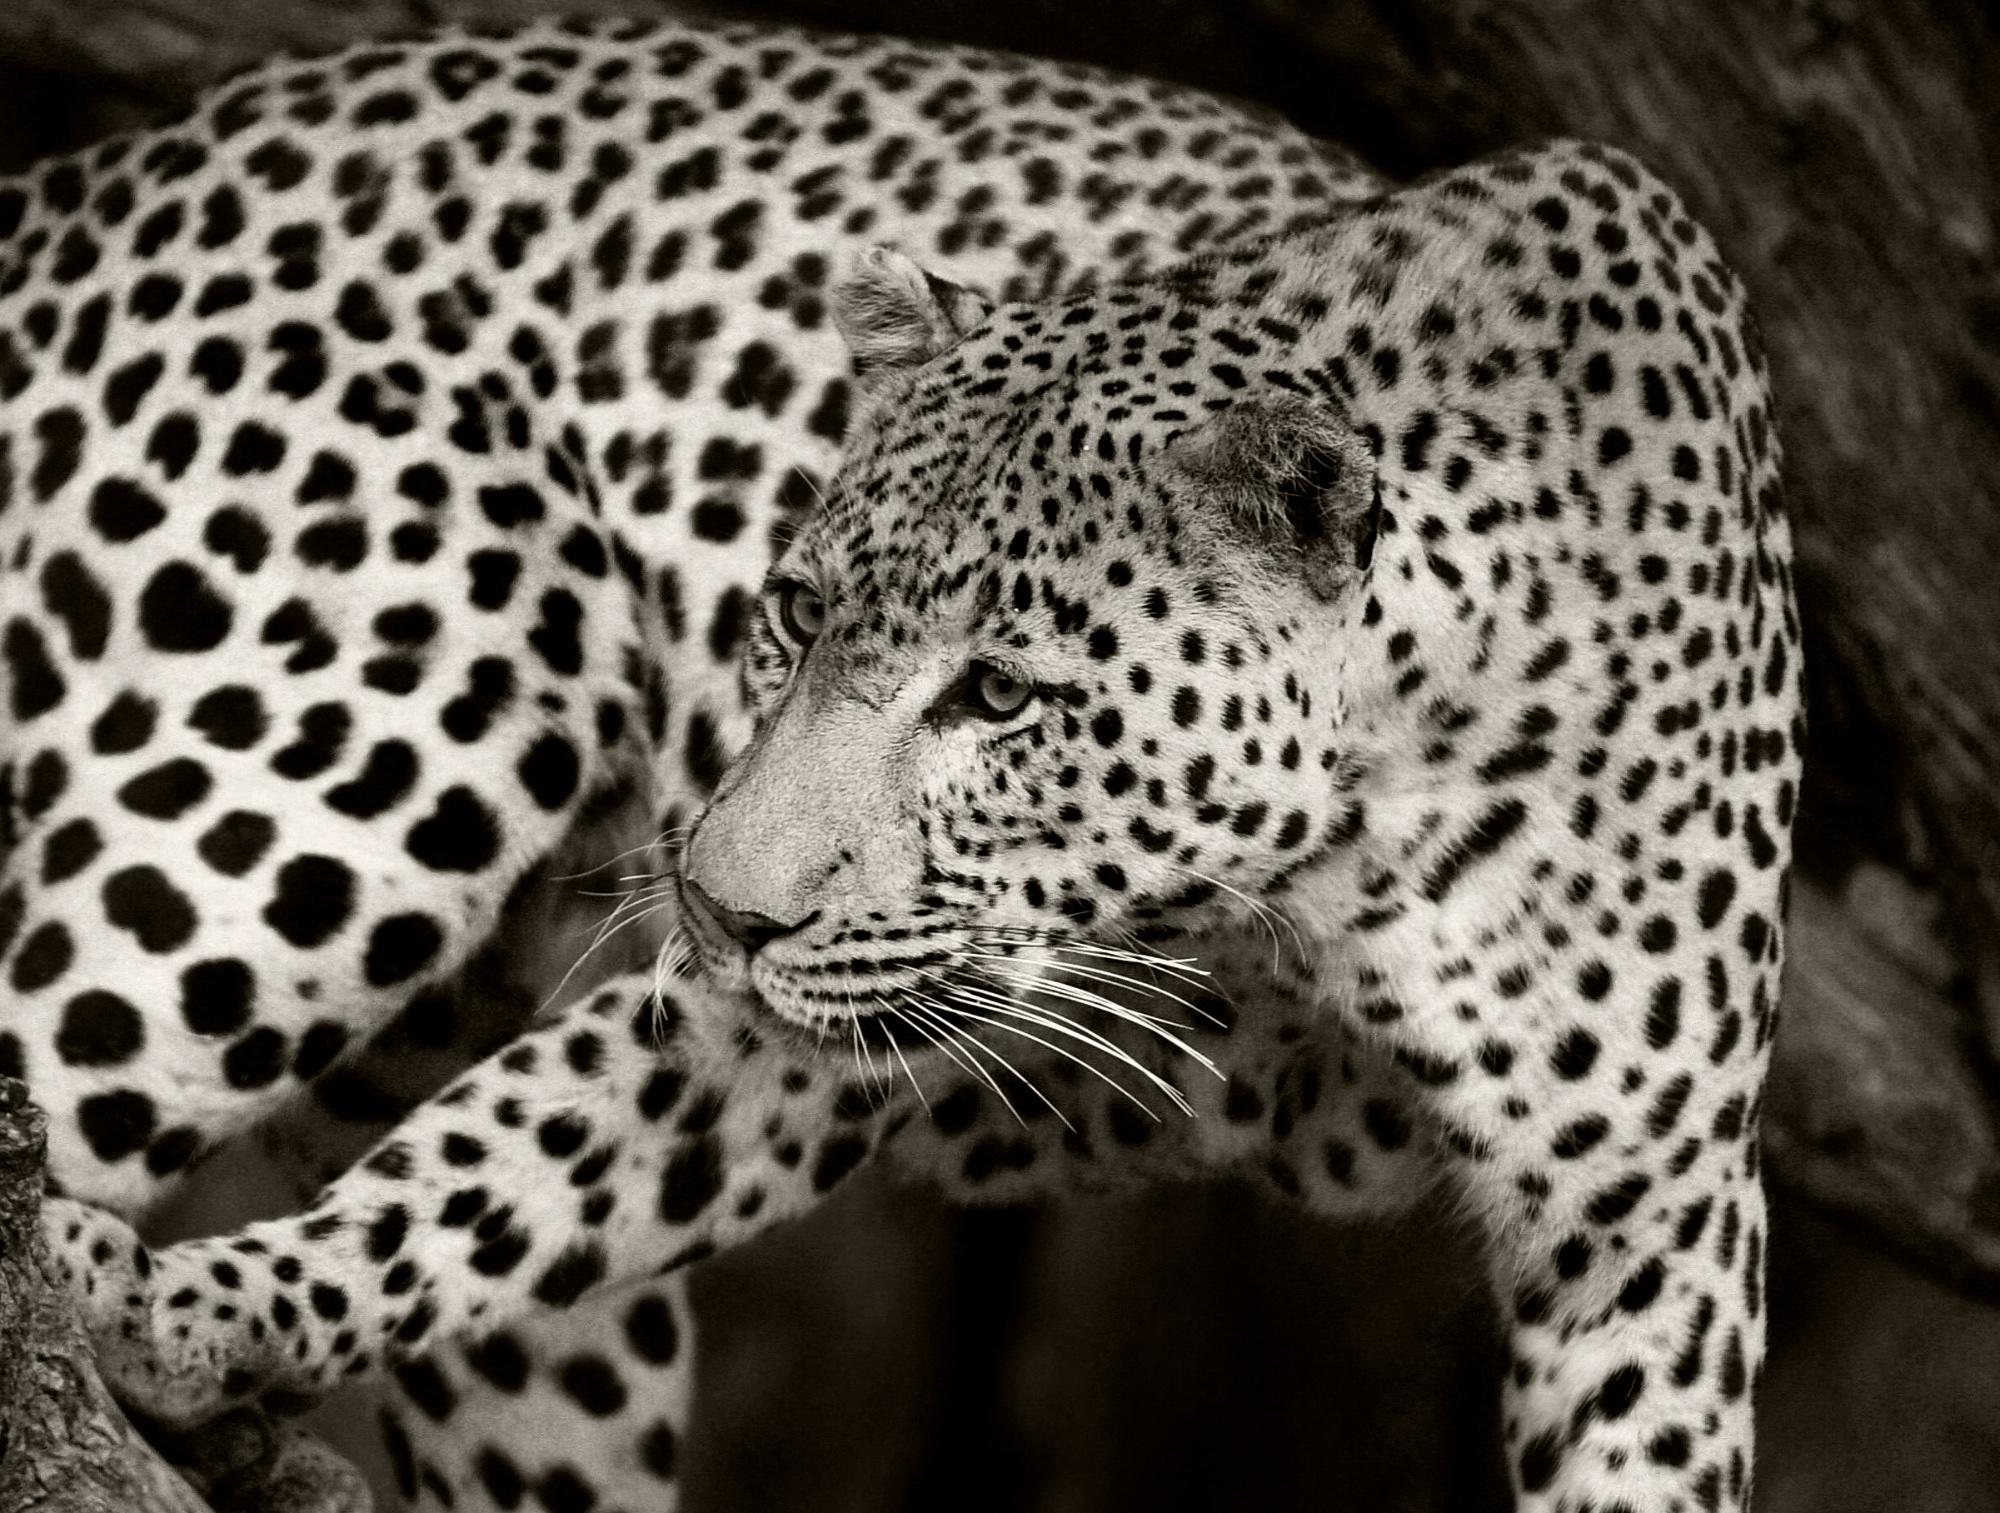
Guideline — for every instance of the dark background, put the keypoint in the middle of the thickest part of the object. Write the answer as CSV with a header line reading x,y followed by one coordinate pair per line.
x,y
1196,1350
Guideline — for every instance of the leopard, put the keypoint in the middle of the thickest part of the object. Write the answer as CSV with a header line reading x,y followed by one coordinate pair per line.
x,y
1191,535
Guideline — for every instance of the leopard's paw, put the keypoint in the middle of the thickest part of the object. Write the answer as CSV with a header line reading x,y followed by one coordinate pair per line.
x,y
166,1347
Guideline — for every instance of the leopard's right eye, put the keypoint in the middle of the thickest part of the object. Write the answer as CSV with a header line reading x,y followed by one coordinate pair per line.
x,y
995,693
801,611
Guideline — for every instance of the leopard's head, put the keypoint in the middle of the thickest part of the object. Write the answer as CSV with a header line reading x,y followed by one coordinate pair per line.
x,y
1047,679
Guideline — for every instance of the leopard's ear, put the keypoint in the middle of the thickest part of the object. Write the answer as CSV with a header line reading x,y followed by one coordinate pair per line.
x,y
897,315
1295,479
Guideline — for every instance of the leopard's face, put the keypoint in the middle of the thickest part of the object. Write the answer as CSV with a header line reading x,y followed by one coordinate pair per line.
x,y
1022,699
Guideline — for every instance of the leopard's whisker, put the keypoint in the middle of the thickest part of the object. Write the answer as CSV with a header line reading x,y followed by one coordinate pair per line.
x,y
882,1080
628,897
664,839
1028,982
1060,1023
1001,1025
646,883
925,1013
610,926
910,996
915,1086
1182,968
1012,1000
673,957
1260,911
1022,982
971,1062
854,1033
1186,969
1082,997
1095,974
1130,945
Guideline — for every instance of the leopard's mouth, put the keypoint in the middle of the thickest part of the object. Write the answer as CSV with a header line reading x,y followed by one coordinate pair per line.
x,y
787,1001
879,1032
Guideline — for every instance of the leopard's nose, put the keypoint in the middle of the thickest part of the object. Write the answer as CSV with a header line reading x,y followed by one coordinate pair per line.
x,y
749,929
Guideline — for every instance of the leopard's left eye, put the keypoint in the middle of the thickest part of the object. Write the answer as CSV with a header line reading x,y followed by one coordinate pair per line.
x,y
994,692
801,611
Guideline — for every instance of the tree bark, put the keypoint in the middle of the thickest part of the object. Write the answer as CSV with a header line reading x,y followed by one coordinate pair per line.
x,y
1844,154
64,1445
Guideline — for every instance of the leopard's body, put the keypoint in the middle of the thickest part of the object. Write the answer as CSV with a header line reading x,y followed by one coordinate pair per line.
x,y
391,457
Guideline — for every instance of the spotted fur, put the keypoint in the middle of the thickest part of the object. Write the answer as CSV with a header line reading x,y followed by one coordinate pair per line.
x,y
390,458
1418,583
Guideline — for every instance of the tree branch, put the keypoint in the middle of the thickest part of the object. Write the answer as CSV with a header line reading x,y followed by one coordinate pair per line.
x,y
64,1446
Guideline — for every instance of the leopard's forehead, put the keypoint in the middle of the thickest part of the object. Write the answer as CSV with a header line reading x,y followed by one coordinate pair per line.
x,y
1006,521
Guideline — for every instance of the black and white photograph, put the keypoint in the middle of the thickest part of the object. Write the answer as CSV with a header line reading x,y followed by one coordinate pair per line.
x,y
911,756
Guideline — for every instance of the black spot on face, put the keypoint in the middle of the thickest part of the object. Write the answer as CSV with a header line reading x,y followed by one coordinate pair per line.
x,y
126,724
257,1060
510,505
253,448
1718,891
339,546
60,436
1541,1458
48,777
360,314
172,1149
556,637
493,575
424,1385
69,850
322,735
387,1232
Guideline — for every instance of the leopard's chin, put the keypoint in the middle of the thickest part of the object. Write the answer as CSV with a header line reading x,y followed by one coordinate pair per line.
x,y
836,1036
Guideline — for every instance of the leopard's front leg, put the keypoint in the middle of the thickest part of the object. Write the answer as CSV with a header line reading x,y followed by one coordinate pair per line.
x,y
1624,1217
1636,1332
625,1139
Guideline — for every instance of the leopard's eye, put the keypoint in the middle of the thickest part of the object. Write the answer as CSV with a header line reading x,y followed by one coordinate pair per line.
x,y
801,611
995,694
